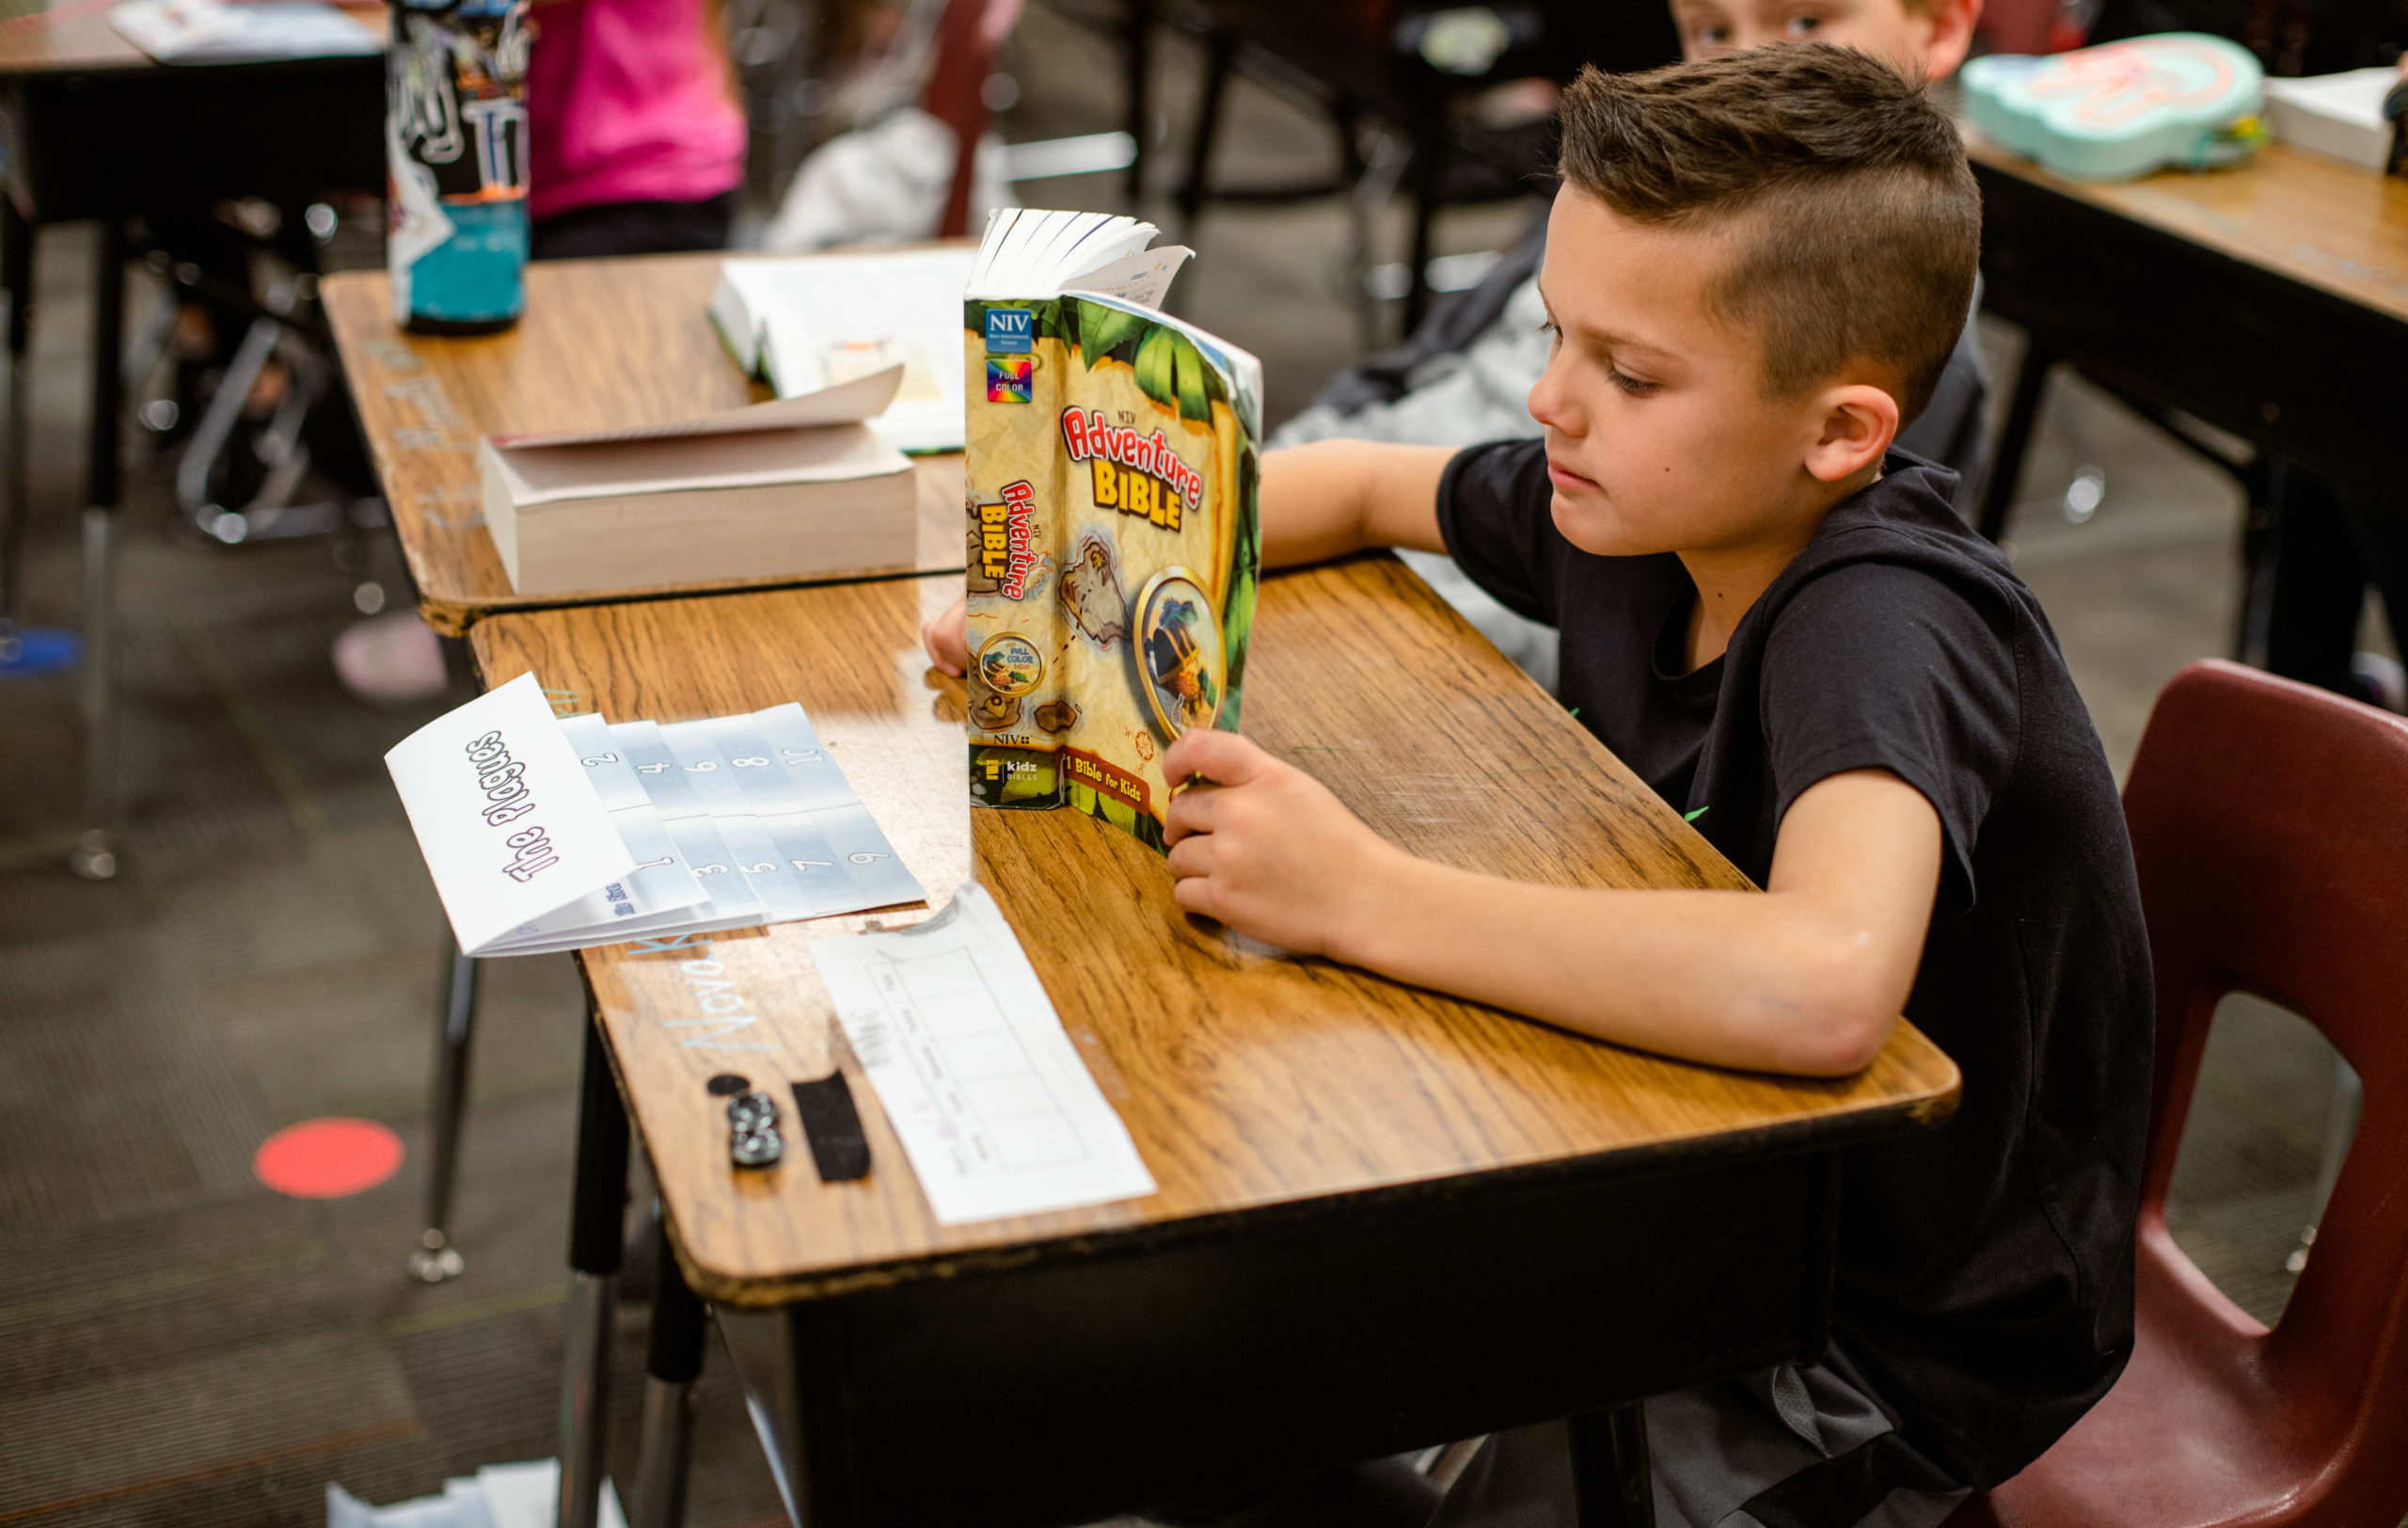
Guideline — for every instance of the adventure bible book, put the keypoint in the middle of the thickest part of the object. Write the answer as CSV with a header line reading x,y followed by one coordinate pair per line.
x,y
1113,538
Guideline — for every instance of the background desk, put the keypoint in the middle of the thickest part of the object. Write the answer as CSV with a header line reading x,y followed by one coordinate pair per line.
x,y
1386,1218
605,343
2269,300
90,127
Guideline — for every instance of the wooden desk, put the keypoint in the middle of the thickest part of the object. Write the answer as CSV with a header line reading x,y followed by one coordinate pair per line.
x,y
605,344
90,127
1386,1218
2269,300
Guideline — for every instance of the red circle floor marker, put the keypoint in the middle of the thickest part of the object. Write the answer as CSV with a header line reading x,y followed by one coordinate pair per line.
x,y
327,1158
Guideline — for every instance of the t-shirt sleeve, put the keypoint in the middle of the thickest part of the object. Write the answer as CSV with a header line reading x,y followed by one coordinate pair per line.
x,y
1880,666
1496,510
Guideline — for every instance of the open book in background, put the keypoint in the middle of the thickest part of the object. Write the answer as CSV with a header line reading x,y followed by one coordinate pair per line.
x,y
796,487
548,833
809,321
1112,539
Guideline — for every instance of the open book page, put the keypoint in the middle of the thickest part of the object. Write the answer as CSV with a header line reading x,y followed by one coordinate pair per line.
x,y
511,828
996,1111
849,402
819,321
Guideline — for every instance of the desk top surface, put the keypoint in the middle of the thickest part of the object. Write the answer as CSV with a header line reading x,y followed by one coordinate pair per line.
x,y
2335,226
1250,1080
75,36
605,344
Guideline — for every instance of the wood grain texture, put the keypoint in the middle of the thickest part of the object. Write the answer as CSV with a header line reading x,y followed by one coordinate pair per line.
x,y
605,344
2337,227
75,36
1249,1078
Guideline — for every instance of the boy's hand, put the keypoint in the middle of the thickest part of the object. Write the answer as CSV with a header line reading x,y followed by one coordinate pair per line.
x,y
1267,849
948,639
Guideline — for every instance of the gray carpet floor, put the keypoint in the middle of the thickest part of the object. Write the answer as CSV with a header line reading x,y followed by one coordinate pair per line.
x,y
180,1345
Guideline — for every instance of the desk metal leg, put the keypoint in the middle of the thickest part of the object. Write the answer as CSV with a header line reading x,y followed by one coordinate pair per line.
x,y
16,271
598,1207
95,854
1610,1471
2023,414
436,1259
1427,118
670,1368
1220,66
1140,42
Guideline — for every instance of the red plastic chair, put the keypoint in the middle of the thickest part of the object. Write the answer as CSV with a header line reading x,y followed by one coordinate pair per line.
x,y
968,37
2270,822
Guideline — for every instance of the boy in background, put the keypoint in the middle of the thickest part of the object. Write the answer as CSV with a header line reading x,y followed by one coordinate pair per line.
x,y
1463,376
1754,274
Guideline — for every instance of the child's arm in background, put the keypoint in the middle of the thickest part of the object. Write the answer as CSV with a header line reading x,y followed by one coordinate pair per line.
x,y
1806,977
1318,502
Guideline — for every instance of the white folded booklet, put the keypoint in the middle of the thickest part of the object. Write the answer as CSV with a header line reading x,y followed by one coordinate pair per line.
x,y
546,833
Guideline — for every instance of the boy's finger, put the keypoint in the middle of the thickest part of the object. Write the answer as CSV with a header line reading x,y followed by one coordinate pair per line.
x,y
1196,895
1223,757
1191,857
1192,810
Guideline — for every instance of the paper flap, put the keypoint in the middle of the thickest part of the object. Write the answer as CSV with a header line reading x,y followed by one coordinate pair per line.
x,y
846,403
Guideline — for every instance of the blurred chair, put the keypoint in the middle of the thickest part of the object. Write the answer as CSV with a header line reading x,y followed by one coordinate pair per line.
x,y
968,37
2269,824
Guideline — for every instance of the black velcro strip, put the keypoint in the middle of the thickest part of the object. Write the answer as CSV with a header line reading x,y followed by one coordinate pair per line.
x,y
834,1128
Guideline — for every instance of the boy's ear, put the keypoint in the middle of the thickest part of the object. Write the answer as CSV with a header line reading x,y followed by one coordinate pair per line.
x,y
1949,35
1859,421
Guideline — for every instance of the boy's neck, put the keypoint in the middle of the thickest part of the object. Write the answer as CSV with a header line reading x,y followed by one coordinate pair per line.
x,y
1731,578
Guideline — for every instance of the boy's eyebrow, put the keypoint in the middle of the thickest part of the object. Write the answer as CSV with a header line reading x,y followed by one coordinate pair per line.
x,y
1608,338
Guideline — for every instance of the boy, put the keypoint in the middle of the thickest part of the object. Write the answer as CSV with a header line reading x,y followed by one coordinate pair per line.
x,y
1461,379
1754,274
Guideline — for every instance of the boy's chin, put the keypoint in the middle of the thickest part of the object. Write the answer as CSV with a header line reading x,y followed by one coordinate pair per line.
x,y
1591,523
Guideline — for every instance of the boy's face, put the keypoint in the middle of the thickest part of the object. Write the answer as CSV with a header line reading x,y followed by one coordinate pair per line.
x,y
1930,41
1658,435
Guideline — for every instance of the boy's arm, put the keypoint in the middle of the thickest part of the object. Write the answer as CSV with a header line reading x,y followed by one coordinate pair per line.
x,y
1806,978
1336,496
1318,501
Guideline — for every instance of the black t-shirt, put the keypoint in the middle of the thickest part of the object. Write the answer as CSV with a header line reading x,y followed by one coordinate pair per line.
x,y
1985,1283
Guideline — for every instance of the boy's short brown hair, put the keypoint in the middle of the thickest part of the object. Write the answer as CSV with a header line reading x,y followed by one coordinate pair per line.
x,y
1854,221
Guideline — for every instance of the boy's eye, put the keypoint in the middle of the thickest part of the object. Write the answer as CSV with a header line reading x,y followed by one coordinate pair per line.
x,y
1630,384
1801,27
1709,38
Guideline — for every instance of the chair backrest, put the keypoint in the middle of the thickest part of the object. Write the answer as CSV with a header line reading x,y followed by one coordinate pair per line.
x,y
2270,825
968,37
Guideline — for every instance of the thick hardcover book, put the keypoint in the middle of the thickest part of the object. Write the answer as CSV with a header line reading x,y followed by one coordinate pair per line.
x,y
1113,539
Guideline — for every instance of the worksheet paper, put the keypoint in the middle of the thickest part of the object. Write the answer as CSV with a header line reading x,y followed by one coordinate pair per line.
x,y
996,1111
511,827
635,830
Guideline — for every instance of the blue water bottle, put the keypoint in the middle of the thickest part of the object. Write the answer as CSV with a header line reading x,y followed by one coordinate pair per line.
x,y
455,156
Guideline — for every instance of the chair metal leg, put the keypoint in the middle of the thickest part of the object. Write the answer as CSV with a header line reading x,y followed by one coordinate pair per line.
x,y
16,271
434,1260
1428,123
1139,38
671,1366
2341,1115
598,1204
1220,65
95,854
1609,1469
2023,414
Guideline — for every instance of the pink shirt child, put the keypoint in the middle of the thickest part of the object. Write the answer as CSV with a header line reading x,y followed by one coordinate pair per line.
x,y
631,101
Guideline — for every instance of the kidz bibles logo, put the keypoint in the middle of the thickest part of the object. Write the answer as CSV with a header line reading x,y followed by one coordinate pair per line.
x,y
1010,332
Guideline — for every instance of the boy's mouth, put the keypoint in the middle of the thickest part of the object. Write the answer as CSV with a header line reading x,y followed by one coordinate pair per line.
x,y
1566,479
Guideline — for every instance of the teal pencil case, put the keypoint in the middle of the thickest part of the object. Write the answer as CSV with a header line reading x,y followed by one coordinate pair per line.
x,y
2120,110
